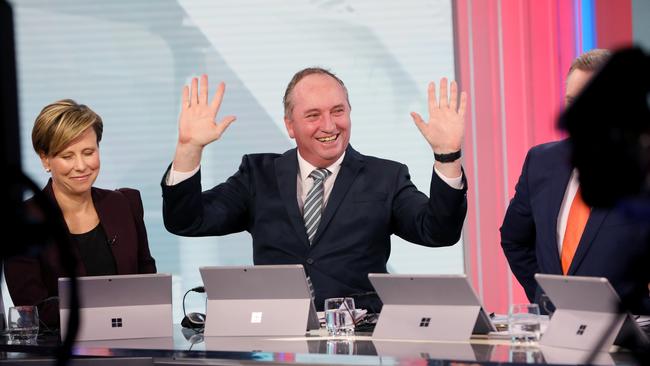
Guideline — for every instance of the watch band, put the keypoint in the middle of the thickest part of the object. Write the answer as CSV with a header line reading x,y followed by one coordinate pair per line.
x,y
447,158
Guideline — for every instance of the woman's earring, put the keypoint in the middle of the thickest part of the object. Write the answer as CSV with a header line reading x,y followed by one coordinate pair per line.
x,y
47,170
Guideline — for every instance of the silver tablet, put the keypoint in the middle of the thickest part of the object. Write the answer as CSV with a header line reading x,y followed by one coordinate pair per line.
x,y
120,306
271,300
432,307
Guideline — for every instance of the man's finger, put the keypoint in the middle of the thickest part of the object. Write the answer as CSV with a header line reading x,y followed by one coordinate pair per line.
x,y
433,102
194,93
225,122
453,98
218,96
203,90
443,93
419,122
186,97
463,106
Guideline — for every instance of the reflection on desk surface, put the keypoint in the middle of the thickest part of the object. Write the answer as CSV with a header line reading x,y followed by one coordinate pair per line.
x,y
462,351
256,344
319,348
574,356
165,343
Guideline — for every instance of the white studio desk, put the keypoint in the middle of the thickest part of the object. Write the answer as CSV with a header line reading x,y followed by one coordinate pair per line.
x,y
188,348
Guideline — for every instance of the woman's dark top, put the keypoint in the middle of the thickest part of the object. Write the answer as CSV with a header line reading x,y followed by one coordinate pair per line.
x,y
33,277
95,252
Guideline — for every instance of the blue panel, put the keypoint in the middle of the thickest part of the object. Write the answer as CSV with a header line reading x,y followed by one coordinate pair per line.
x,y
588,25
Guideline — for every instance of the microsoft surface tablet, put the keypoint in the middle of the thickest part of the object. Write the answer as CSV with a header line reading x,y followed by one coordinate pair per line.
x,y
428,307
587,309
257,300
120,306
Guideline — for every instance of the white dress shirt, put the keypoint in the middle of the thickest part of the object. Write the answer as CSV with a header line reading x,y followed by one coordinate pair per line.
x,y
563,217
303,182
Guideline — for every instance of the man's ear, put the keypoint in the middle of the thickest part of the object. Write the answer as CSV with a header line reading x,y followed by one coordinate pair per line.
x,y
288,123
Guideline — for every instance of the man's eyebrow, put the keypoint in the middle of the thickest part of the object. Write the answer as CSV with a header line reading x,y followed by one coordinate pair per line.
x,y
311,110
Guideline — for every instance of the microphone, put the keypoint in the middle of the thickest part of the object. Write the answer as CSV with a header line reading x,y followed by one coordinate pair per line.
x,y
195,321
44,327
47,299
199,289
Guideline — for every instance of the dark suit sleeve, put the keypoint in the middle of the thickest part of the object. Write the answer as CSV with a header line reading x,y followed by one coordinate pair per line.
x,y
518,234
222,210
434,221
24,277
146,263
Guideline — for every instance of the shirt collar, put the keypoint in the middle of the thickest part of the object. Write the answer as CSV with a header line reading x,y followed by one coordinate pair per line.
x,y
305,168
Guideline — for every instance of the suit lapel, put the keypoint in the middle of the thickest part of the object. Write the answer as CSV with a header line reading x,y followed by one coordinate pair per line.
x,y
559,183
596,218
350,167
286,171
81,269
110,217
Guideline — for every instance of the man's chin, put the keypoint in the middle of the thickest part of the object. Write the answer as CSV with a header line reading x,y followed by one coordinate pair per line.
x,y
331,157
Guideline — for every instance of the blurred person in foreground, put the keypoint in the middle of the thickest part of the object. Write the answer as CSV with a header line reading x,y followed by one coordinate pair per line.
x,y
548,227
617,133
106,227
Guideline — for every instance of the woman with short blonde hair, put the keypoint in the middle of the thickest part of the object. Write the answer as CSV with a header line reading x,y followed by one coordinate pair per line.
x,y
106,227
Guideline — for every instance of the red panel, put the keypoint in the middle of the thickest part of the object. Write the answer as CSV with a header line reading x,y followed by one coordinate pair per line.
x,y
516,65
566,42
519,101
545,91
613,23
463,76
489,160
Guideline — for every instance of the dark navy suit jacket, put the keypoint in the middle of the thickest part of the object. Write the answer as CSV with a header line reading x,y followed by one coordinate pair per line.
x,y
371,199
31,279
612,245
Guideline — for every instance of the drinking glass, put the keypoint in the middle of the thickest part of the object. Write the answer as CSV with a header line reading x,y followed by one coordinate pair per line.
x,y
339,316
23,324
524,323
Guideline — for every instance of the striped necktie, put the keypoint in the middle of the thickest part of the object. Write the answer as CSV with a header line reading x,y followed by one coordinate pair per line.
x,y
314,202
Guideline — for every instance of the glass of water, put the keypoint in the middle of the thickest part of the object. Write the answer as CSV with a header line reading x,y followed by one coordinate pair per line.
x,y
23,324
524,323
339,316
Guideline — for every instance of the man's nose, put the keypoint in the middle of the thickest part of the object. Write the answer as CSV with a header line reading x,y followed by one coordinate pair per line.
x,y
327,123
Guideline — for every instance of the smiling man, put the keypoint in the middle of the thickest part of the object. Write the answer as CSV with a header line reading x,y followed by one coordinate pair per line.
x,y
323,204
